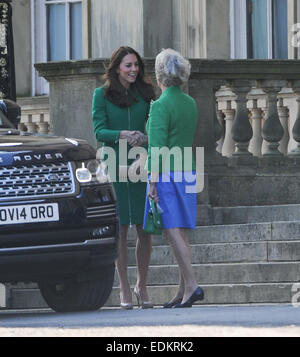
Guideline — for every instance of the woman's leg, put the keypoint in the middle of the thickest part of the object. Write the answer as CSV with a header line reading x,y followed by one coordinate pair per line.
x,y
143,255
181,249
180,291
122,267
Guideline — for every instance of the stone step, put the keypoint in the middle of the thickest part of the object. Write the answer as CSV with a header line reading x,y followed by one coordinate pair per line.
x,y
255,214
28,298
233,233
221,294
217,234
226,253
240,263
208,253
283,251
231,273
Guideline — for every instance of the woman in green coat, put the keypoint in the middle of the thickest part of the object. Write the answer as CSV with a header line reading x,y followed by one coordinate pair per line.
x,y
120,110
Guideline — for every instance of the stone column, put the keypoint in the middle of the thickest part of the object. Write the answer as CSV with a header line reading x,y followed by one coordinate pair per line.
x,y
43,125
241,129
264,147
220,117
283,113
31,126
229,145
272,130
157,25
256,141
296,128
216,28
218,128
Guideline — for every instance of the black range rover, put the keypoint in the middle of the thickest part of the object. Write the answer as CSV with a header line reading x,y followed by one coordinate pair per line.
x,y
58,217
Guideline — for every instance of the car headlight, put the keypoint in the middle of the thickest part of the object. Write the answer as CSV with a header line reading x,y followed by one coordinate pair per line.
x,y
92,172
83,174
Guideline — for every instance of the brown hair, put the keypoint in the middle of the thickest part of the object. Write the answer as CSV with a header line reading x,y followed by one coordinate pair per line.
x,y
115,91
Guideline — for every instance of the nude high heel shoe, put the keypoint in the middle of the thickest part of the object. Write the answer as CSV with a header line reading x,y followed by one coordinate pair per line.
x,y
142,304
126,306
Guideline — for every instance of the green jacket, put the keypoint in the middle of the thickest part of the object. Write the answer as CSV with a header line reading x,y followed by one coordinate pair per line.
x,y
109,120
171,124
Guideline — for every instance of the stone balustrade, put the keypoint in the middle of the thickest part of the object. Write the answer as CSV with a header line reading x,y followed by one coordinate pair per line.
x,y
257,105
253,96
34,114
281,107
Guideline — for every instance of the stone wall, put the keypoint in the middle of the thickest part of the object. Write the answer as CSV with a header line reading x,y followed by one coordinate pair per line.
x,y
197,28
115,23
22,34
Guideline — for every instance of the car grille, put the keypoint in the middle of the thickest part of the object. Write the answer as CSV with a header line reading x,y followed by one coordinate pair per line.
x,y
95,212
36,180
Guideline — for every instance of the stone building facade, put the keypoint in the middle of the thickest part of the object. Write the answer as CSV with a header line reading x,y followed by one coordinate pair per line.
x,y
62,30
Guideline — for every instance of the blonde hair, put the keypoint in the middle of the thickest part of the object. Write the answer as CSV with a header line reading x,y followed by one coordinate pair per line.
x,y
171,68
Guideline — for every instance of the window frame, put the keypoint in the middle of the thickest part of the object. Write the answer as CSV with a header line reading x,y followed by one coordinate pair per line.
x,y
238,29
39,48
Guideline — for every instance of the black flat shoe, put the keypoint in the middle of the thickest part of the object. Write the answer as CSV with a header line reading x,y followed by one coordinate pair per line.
x,y
197,295
170,304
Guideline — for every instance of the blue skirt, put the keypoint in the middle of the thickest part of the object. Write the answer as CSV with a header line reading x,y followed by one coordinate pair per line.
x,y
179,206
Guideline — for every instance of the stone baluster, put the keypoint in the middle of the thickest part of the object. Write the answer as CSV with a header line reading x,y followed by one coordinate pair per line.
x,y
31,126
43,125
264,147
283,113
296,128
241,129
220,143
272,130
229,144
255,144
218,130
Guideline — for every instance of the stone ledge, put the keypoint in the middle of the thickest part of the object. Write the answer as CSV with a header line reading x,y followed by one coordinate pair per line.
x,y
224,273
201,68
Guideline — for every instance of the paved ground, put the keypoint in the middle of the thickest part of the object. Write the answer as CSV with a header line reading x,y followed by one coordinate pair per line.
x,y
200,321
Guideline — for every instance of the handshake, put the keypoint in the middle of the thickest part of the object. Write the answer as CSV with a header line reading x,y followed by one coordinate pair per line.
x,y
134,138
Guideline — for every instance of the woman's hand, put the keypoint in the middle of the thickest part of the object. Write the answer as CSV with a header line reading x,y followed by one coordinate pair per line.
x,y
130,136
134,138
152,194
142,139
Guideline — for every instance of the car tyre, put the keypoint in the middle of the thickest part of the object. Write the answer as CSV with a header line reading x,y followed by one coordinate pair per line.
x,y
72,295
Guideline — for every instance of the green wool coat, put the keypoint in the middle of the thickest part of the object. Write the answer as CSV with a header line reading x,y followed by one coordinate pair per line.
x,y
108,121
171,124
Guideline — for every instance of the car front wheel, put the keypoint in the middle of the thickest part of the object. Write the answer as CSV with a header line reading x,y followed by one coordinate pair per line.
x,y
71,295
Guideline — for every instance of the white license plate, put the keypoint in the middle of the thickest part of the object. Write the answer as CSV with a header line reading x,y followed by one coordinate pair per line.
x,y
29,213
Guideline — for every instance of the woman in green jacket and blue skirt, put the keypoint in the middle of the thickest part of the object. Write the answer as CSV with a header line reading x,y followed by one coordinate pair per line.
x,y
171,127
120,110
